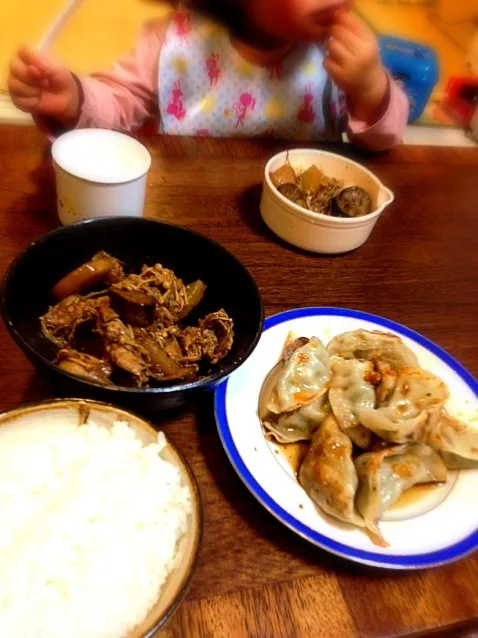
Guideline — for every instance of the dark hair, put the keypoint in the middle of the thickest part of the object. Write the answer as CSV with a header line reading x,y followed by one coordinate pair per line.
x,y
234,15
231,13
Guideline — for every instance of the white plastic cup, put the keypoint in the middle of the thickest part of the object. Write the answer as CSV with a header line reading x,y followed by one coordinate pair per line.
x,y
99,173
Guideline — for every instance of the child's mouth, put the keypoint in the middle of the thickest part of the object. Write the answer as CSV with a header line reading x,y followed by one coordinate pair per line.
x,y
327,17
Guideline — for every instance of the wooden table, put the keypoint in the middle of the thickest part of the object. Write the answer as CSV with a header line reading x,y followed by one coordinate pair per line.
x,y
255,577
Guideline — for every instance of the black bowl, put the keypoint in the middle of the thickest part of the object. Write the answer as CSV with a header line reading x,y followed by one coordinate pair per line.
x,y
135,241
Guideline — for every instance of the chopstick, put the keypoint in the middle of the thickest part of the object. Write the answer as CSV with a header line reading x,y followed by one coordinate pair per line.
x,y
57,25
53,30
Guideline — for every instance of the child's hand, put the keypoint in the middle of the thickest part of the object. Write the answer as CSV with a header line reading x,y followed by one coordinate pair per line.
x,y
40,86
353,62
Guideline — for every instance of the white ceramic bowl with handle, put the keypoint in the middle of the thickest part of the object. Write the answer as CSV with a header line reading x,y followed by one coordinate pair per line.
x,y
313,231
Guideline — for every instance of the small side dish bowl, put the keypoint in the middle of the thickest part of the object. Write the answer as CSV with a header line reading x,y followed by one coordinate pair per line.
x,y
42,421
313,231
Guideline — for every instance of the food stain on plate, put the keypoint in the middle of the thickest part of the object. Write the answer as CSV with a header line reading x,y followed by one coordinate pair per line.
x,y
420,499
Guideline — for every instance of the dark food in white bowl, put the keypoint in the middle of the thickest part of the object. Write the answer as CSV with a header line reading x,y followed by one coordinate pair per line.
x,y
314,191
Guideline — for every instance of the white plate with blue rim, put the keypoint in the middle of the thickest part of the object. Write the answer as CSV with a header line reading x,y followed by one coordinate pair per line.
x,y
441,530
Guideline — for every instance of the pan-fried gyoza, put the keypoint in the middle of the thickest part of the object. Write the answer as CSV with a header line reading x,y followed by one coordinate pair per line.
x,y
375,422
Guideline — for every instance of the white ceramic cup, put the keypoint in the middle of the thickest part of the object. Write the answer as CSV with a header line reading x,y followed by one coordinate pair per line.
x,y
99,173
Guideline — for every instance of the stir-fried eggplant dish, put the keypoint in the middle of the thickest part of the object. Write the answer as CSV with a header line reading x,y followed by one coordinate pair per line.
x,y
115,328
318,193
374,421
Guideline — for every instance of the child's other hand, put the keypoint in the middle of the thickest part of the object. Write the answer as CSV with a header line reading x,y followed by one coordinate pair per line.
x,y
40,86
353,62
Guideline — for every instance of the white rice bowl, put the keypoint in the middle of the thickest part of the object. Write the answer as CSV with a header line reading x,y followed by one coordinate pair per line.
x,y
91,520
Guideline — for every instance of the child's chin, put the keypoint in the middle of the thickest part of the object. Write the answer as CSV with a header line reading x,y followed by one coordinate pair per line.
x,y
314,33
317,33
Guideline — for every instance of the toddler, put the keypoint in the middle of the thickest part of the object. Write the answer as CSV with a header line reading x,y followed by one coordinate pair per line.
x,y
296,69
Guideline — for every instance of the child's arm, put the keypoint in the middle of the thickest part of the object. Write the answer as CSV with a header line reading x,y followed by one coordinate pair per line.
x,y
125,97
377,109
389,126
122,99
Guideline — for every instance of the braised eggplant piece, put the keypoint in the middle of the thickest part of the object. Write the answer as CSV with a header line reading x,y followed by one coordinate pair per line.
x,y
84,366
88,340
294,193
161,283
135,307
194,294
131,333
102,267
320,201
320,204
162,365
352,201
311,190
315,191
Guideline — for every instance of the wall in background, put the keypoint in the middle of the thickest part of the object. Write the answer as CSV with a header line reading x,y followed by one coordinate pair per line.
x,y
101,30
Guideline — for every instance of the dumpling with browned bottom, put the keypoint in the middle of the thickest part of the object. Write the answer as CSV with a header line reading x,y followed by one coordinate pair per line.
x,y
303,377
417,395
373,346
385,475
329,477
328,472
298,425
351,388
454,440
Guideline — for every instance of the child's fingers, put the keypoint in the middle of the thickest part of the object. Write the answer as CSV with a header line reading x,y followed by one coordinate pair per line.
x,y
29,56
337,51
332,67
352,22
27,104
19,69
22,72
346,37
43,64
23,89
36,73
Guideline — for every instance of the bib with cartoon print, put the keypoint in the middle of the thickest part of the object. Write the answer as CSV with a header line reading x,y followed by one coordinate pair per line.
x,y
207,88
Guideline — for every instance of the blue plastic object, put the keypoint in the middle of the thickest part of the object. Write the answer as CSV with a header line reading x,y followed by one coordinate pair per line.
x,y
414,66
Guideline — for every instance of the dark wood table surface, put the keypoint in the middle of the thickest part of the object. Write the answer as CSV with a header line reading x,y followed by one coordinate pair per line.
x,y
420,268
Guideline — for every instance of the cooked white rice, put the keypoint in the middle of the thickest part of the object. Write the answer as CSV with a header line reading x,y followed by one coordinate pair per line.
x,y
89,527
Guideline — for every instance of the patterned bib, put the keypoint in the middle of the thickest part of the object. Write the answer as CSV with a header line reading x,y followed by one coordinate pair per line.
x,y
208,88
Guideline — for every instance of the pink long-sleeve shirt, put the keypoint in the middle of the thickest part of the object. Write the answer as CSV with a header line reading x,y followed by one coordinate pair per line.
x,y
126,97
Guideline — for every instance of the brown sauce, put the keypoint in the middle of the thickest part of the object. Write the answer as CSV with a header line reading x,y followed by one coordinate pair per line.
x,y
294,453
414,495
267,388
